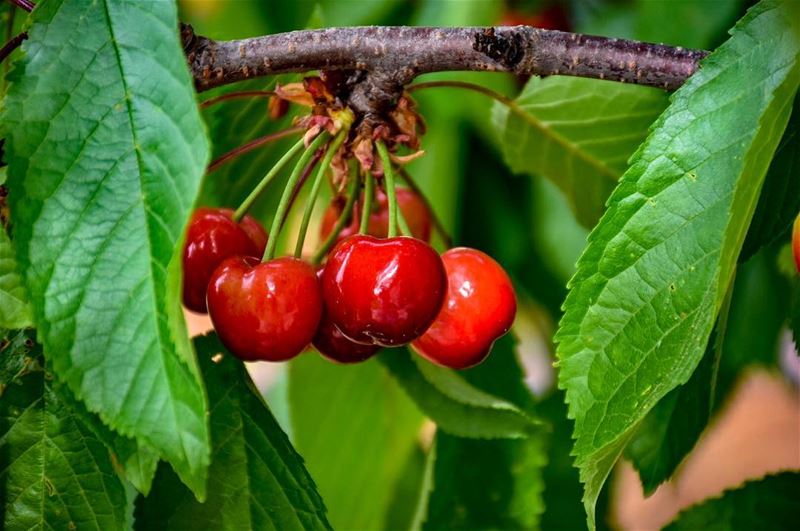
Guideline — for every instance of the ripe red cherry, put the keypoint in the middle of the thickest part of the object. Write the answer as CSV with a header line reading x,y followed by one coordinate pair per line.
x,y
264,311
212,237
796,242
411,205
479,308
331,343
383,291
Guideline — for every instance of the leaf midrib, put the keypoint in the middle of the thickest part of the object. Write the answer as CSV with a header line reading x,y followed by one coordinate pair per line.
x,y
140,165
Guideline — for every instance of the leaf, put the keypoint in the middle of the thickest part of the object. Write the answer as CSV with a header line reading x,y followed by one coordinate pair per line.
x,y
54,472
671,429
578,133
107,150
649,285
355,428
15,312
687,23
453,404
779,202
256,479
769,503
489,484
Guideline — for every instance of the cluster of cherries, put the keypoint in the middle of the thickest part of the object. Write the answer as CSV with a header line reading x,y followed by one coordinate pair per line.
x,y
371,292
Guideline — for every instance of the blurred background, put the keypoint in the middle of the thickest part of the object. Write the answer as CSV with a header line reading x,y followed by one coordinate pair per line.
x,y
365,442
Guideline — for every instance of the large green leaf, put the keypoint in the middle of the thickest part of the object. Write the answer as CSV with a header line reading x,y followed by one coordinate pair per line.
x,y
651,281
456,406
671,429
106,152
779,202
256,479
54,472
578,133
489,484
356,429
15,312
769,503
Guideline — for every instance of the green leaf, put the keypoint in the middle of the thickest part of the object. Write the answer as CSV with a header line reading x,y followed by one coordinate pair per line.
x,y
687,23
489,484
649,285
54,472
779,202
355,428
456,406
107,150
769,503
256,479
671,429
15,312
578,133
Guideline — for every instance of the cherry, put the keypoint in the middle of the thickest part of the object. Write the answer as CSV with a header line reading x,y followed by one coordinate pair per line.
x,y
264,310
411,205
331,343
552,17
796,242
212,237
479,308
383,291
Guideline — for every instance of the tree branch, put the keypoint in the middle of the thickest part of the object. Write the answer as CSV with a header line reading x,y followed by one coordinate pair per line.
x,y
384,59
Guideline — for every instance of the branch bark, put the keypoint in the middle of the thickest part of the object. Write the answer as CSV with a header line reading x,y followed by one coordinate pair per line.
x,y
387,58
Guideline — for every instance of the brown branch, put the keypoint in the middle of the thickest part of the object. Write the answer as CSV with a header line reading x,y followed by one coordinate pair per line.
x,y
382,60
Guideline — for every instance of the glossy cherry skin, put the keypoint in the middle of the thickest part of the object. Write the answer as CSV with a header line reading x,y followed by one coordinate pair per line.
x,y
383,291
411,205
266,311
212,237
479,308
331,343
796,242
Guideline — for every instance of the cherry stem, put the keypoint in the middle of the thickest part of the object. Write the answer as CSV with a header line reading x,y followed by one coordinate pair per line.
x,y
300,183
283,205
500,98
271,174
391,196
344,218
250,146
333,147
366,209
235,95
402,223
12,45
437,223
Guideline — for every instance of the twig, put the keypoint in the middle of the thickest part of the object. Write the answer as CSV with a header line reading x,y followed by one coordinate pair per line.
x,y
27,5
12,45
384,59
235,95
250,146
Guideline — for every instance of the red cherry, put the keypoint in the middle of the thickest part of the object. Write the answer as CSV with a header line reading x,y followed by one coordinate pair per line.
x,y
264,310
479,308
331,343
383,291
212,237
796,242
552,17
411,205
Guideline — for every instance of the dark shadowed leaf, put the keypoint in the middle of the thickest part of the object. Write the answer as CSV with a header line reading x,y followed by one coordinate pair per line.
x,y
15,311
769,503
256,479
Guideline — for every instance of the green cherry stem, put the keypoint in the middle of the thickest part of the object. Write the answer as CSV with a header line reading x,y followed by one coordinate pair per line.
x,y
391,196
333,147
366,209
343,219
402,223
250,199
283,205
